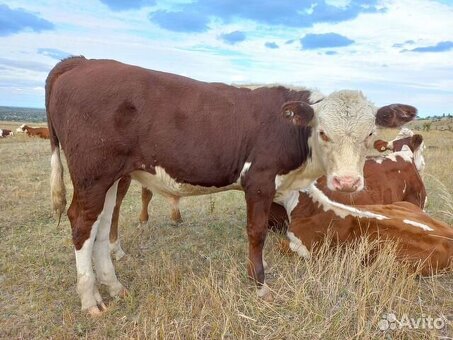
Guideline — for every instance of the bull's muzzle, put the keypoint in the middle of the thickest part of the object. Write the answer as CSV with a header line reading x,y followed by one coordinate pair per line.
x,y
347,183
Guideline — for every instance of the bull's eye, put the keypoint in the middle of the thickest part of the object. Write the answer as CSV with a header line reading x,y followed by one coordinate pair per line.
x,y
324,137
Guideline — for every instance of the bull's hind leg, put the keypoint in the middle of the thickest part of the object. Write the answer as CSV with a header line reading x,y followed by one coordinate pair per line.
x,y
115,245
147,195
175,213
84,215
105,272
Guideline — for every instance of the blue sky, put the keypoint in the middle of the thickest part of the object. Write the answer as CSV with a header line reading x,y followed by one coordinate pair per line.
x,y
392,50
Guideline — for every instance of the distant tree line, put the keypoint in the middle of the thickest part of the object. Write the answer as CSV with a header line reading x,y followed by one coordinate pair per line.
x,y
22,114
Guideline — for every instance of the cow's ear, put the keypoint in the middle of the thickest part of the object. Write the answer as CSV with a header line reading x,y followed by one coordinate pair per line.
x,y
416,141
381,145
395,115
299,113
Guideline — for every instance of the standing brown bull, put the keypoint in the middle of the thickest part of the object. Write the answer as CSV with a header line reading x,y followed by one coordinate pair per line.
x,y
178,136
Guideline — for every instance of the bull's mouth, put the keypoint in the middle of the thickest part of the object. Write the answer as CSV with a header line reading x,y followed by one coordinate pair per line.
x,y
348,184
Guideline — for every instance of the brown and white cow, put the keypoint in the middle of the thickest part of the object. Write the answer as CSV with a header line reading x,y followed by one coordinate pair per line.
x,y
422,241
380,181
388,179
41,132
178,136
5,133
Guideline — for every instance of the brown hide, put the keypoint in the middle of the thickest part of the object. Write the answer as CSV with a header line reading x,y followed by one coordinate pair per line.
x,y
432,249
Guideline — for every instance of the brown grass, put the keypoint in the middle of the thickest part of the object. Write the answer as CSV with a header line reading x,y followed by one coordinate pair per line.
x,y
189,282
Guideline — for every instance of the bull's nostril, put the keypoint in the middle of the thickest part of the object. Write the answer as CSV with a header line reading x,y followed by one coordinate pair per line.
x,y
336,183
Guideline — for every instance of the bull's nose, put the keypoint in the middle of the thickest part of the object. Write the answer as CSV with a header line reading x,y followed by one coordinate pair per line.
x,y
346,183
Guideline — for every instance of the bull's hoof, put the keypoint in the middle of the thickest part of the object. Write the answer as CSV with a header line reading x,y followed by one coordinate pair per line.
x,y
143,224
97,310
265,293
123,293
119,254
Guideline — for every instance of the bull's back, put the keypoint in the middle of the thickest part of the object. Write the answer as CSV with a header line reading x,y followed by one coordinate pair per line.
x,y
200,133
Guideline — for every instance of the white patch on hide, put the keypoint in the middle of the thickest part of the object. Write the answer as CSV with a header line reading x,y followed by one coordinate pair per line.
x,y
296,245
338,208
418,224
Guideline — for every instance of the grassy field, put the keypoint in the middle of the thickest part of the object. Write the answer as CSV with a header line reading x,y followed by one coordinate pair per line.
x,y
189,282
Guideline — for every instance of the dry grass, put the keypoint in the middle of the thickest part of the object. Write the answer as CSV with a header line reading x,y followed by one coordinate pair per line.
x,y
189,281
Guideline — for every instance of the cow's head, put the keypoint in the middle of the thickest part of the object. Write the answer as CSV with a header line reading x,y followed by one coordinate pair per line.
x,y
343,129
21,128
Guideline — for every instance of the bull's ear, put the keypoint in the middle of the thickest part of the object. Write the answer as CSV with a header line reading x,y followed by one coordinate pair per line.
x,y
381,145
416,141
299,113
395,115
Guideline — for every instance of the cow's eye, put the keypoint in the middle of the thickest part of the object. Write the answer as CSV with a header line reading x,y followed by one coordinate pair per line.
x,y
324,137
369,135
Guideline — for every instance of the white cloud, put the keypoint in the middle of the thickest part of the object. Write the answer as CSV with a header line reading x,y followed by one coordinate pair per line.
x,y
371,63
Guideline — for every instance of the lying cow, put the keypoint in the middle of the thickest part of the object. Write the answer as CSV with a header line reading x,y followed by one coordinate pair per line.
x,y
422,242
388,179
5,133
182,137
41,132
405,137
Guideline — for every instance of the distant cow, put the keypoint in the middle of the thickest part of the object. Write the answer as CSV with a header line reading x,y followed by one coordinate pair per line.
x,y
5,133
182,137
405,137
388,179
422,241
41,132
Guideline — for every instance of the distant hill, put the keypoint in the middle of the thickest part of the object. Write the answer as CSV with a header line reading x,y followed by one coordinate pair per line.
x,y
24,114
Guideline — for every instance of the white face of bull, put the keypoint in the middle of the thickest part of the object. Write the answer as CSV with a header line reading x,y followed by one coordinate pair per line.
x,y
344,126
344,130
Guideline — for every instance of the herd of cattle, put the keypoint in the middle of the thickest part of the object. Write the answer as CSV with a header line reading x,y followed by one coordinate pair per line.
x,y
41,132
299,156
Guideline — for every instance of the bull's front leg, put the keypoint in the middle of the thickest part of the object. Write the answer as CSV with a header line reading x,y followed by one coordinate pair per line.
x,y
259,193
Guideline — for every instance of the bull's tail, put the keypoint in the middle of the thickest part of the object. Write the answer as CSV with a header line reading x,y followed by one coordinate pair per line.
x,y
57,187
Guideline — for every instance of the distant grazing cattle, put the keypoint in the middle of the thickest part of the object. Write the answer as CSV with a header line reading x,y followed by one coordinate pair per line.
x,y
421,241
5,133
388,179
41,132
182,137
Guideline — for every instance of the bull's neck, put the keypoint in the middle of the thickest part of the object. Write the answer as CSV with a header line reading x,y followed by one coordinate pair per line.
x,y
302,176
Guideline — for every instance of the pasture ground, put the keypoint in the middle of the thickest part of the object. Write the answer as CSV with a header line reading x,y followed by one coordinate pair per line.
x,y
189,281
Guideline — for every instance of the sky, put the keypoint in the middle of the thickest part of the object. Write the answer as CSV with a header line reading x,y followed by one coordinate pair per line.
x,y
392,50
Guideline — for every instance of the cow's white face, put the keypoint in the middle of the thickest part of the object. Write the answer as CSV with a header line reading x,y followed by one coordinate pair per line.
x,y
343,128
21,128
344,131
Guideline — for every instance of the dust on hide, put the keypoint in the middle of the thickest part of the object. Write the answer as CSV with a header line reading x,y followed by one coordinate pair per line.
x,y
178,136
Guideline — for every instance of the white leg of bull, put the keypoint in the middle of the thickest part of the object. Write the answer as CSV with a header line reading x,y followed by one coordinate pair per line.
x,y
86,281
105,272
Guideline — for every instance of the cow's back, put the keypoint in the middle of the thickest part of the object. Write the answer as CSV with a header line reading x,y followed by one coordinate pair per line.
x,y
200,133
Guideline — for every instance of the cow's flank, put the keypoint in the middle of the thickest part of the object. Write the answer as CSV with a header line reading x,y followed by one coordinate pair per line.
x,y
422,241
179,137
